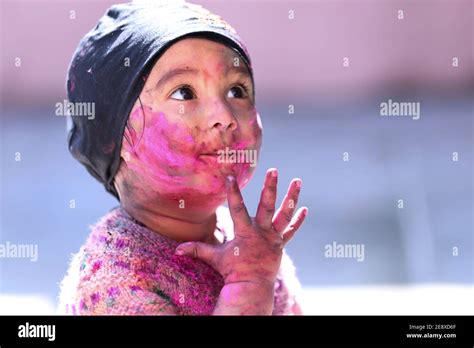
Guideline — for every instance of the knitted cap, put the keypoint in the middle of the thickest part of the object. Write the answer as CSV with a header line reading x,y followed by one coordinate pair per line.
x,y
109,70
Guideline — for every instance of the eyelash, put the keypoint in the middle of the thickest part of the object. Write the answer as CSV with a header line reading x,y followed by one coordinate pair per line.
x,y
245,86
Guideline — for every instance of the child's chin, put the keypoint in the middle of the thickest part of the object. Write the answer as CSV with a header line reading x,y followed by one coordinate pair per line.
x,y
213,183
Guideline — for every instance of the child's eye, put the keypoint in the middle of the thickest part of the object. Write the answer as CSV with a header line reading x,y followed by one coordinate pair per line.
x,y
183,93
239,91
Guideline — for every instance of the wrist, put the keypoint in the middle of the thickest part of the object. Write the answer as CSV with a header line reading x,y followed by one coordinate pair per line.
x,y
243,278
246,298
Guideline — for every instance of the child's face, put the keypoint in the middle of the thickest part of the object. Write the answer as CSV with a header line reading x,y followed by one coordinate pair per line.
x,y
195,103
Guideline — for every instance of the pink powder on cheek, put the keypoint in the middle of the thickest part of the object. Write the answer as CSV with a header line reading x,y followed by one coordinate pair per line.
x,y
167,158
168,143
165,141
165,150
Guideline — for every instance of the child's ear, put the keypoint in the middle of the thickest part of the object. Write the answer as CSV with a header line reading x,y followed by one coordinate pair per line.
x,y
124,158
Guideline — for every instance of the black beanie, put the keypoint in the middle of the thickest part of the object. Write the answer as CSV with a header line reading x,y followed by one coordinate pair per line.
x,y
110,66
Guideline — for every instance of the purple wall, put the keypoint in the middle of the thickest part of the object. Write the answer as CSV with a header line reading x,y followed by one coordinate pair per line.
x,y
299,58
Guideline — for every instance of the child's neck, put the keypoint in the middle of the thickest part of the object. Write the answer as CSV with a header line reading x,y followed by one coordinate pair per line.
x,y
176,228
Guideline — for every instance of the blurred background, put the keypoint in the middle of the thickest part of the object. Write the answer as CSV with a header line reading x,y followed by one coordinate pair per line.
x,y
322,69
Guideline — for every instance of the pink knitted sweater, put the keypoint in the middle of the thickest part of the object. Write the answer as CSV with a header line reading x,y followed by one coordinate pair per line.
x,y
124,268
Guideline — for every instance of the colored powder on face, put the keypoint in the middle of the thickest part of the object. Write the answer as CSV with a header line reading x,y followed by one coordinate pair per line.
x,y
163,140
167,159
165,151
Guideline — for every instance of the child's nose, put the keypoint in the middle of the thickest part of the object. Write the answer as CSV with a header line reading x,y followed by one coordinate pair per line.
x,y
221,117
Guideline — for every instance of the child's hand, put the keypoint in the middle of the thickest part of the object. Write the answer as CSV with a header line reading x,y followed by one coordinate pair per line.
x,y
254,255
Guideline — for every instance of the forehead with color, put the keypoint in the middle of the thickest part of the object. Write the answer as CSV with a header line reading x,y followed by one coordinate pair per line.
x,y
198,55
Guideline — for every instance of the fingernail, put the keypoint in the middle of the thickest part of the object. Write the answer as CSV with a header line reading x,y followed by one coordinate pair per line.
x,y
298,183
179,252
274,173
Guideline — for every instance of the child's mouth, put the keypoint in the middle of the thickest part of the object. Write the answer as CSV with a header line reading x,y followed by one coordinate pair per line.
x,y
209,158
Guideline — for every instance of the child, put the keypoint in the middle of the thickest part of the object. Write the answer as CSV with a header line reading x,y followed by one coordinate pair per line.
x,y
173,90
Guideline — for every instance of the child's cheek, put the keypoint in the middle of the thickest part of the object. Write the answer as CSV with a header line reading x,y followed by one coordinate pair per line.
x,y
165,152
256,126
259,122
252,140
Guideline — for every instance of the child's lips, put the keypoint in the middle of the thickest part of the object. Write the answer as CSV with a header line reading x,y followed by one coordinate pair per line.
x,y
209,157
216,160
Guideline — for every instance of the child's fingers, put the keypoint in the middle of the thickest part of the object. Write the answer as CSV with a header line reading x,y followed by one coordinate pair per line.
x,y
237,208
203,251
285,213
266,206
295,224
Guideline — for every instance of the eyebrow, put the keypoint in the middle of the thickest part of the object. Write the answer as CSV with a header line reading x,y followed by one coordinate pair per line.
x,y
174,73
186,71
